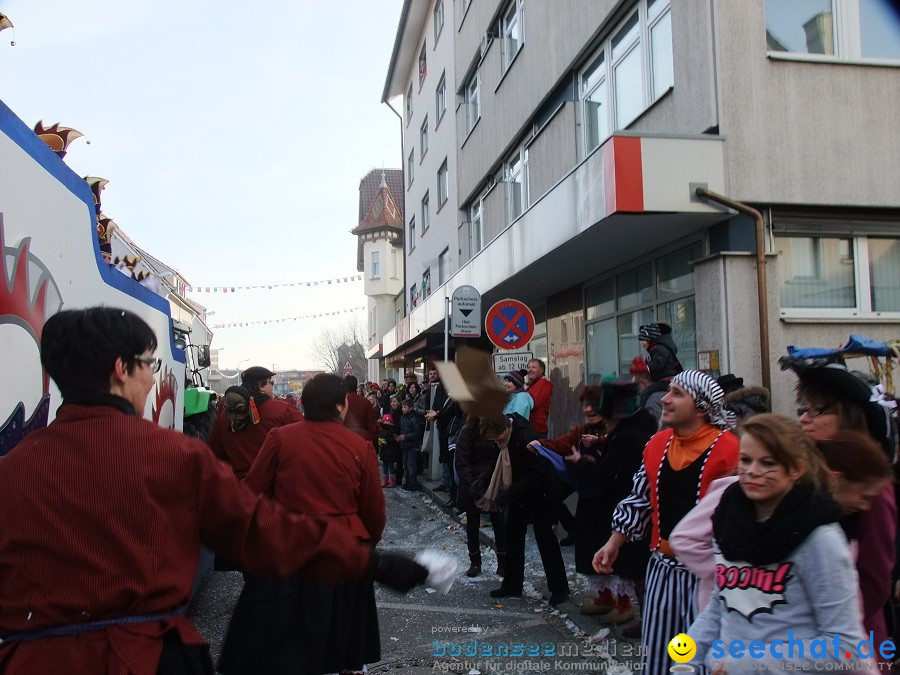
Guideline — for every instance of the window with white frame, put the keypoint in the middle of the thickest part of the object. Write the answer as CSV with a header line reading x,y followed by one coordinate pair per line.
x,y
444,266
411,243
824,274
410,167
849,30
423,64
517,184
426,283
628,72
595,106
440,99
438,18
408,102
443,185
476,226
473,102
511,32
423,139
376,265
426,215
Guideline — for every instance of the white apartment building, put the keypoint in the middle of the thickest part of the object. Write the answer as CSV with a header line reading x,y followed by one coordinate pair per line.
x,y
583,129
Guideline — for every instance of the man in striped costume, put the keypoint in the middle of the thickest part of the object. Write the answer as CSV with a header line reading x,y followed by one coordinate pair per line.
x,y
678,466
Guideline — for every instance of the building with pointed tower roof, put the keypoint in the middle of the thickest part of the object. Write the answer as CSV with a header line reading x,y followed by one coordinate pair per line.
x,y
379,256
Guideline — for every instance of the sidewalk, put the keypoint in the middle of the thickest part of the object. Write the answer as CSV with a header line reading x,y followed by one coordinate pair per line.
x,y
589,624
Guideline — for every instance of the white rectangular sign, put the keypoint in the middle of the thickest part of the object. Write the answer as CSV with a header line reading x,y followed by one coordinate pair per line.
x,y
465,312
505,362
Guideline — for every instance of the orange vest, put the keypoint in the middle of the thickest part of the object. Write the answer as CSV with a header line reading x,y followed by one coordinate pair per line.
x,y
721,462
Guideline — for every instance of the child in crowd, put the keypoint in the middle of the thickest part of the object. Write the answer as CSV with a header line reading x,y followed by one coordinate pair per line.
x,y
388,451
412,431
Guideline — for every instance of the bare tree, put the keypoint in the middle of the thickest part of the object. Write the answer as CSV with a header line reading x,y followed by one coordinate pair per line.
x,y
335,346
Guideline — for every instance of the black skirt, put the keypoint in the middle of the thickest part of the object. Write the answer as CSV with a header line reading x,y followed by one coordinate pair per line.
x,y
301,627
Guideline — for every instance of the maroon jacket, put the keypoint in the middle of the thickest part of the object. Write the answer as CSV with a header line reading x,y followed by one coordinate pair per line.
x,y
239,449
322,468
103,517
361,418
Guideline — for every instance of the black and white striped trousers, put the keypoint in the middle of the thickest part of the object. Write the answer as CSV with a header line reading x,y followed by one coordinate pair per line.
x,y
668,610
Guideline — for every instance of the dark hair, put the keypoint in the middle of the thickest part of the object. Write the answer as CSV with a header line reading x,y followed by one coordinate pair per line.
x,y
855,456
416,385
322,395
851,416
493,426
407,402
351,382
591,395
789,445
79,347
543,367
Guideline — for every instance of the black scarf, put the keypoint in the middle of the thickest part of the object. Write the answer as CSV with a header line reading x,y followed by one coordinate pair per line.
x,y
742,537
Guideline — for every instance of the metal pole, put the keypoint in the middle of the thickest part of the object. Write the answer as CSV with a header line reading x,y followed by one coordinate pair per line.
x,y
446,329
761,288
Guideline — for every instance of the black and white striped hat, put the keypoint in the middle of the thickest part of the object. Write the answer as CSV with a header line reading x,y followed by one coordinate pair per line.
x,y
708,397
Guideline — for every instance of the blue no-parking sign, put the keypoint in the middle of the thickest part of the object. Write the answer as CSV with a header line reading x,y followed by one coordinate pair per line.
x,y
509,324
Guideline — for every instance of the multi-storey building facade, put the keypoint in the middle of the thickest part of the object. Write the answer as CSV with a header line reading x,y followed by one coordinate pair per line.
x,y
583,130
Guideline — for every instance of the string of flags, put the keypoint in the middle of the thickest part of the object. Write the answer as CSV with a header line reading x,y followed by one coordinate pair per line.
x,y
245,324
234,289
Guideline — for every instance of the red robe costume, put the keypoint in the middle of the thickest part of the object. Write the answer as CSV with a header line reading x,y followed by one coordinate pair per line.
x,y
103,517
315,468
239,449
361,417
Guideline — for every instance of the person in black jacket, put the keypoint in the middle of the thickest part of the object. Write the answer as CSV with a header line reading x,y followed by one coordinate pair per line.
x,y
476,458
602,473
412,431
533,495
662,361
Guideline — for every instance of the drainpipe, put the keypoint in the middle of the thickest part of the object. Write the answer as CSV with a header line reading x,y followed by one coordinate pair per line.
x,y
403,179
761,291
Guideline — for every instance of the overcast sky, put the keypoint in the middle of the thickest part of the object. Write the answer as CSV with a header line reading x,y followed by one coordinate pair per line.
x,y
233,136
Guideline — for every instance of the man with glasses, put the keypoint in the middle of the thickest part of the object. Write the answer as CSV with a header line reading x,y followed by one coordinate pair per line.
x,y
240,447
104,512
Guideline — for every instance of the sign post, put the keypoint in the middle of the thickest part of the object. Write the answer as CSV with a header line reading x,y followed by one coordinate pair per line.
x,y
465,318
509,324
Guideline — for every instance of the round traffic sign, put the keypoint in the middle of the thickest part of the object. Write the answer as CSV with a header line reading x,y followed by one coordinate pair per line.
x,y
509,324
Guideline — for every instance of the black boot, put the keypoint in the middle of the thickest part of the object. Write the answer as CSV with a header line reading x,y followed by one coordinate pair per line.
x,y
474,566
501,564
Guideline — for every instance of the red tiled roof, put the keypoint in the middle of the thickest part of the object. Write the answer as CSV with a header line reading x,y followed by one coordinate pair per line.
x,y
382,213
370,184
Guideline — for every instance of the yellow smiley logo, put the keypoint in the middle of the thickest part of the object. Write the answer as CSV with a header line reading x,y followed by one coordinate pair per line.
x,y
682,648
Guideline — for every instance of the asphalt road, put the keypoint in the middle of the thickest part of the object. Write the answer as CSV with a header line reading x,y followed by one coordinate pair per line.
x,y
464,631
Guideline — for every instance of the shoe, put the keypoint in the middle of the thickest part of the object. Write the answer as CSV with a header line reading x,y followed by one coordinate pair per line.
x,y
442,488
450,504
568,540
593,608
506,592
558,597
618,615
474,569
630,632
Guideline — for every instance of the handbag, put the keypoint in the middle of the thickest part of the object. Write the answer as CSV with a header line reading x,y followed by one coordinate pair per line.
x,y
501,480
427,438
